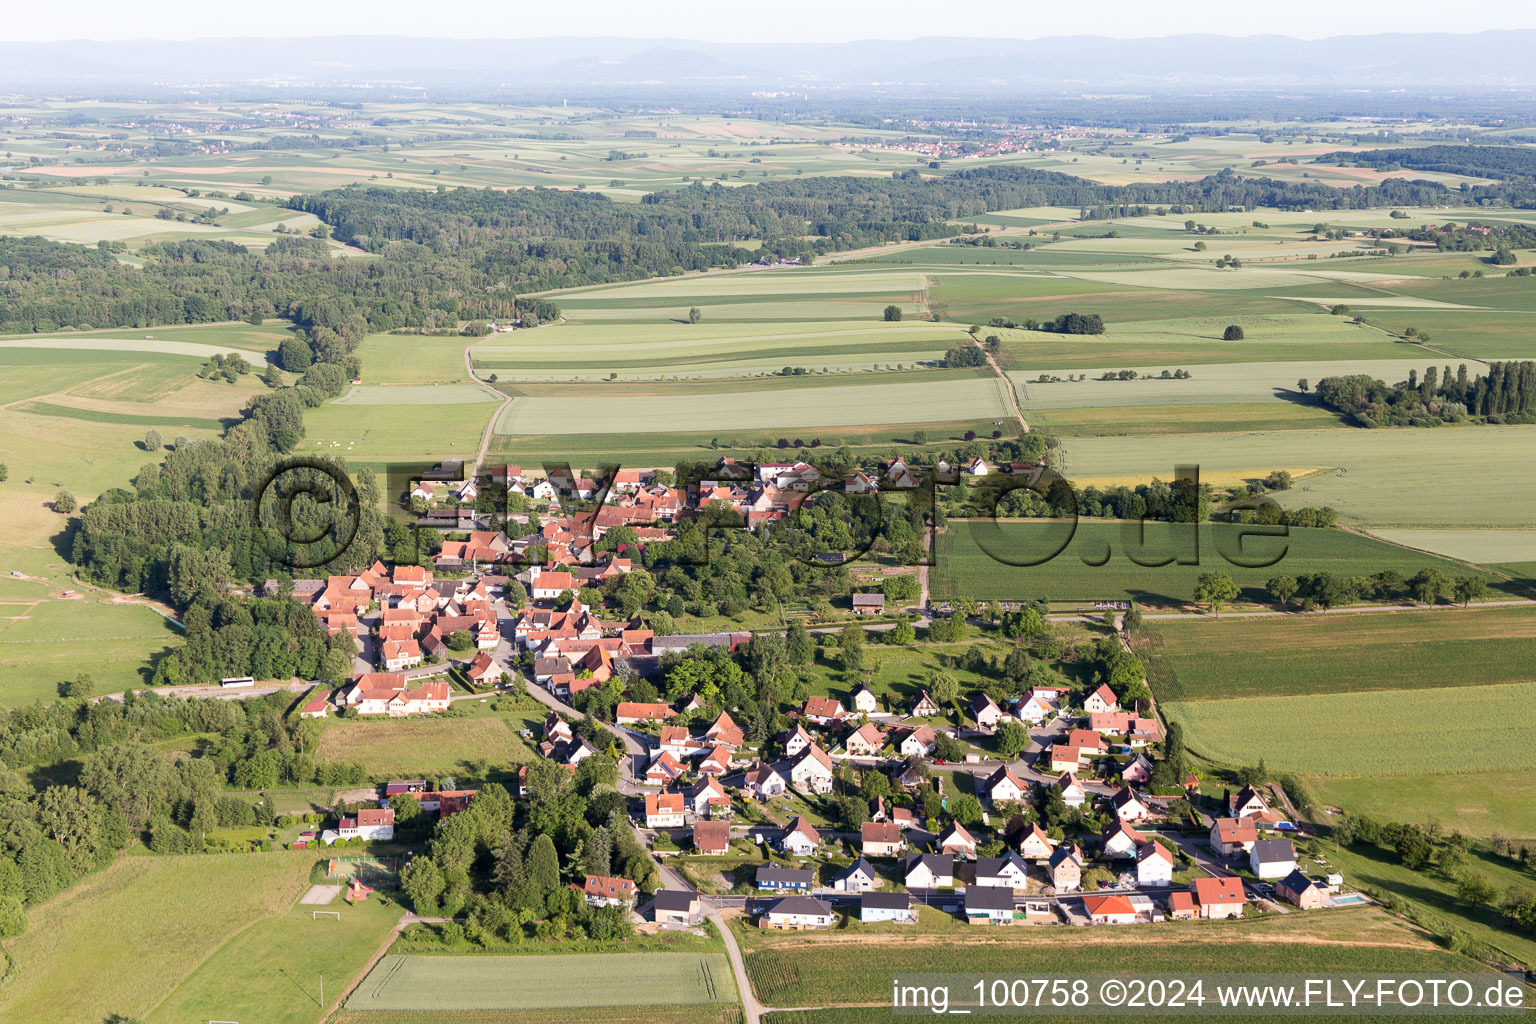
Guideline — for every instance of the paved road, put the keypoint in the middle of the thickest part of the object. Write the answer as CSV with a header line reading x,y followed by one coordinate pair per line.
x,y
751,1008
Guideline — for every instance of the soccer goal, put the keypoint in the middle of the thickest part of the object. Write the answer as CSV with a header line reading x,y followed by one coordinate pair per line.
x,y
314,915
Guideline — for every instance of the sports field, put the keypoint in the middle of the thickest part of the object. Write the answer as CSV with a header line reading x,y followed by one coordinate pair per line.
x,y
979,559
533,982
1447,729
1208,659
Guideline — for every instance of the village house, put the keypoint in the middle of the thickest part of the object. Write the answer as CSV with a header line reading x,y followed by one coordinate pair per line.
x,y
374,824
796,740
1233,837
316,704
604,891
1120,841
708,799
857,877
1072,792
1035,844
717,761
1248,804
389,693
630,712
724,732
712,838
919,742
1301,890
399,655
1006,872
1137,770
1065,758
1181,906
1037,707
864,700
1272,858
865,741
800,838
930,871
676,906
1128,806
764,782
868,604
1002,786
824,710
1220,897
811,772
1065,868
772,876
664,771
798,913
924,706
989,905
985,711
1100,701
1090,743
664,810
1154,864
957,841
1113,909
893,906
881,839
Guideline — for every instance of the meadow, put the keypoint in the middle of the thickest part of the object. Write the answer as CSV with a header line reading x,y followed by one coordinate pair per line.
x,y
44,639
166,913
440,983
412,359
1486,547
1207,659
822,970
1475,803
407,425
1095,560
431,746
1449,477
1448,729
269,971
1210,384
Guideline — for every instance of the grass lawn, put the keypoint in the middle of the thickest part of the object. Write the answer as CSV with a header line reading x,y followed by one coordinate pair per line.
x,y
43,640
1209,658
529,983
411,359
856,966
969,551
1477,804
268,972
431,746
1385,732
166,914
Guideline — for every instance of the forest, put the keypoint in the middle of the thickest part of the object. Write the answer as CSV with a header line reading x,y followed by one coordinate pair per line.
x,y
1505,394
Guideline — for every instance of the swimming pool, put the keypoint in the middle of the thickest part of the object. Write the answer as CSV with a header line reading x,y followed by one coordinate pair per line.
x,y
1349,900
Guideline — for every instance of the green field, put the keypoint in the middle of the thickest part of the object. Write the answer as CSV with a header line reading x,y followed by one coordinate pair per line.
x,y
429,746
269,971
1212,383
166,915
412,359
1120,420
535,982
1319,654
969,552
46,640
1478,804
414,430
1448,729
773,410
698,1013
1486,547
818,972
1369,469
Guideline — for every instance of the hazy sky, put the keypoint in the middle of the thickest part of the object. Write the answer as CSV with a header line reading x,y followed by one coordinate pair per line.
x,y
742,21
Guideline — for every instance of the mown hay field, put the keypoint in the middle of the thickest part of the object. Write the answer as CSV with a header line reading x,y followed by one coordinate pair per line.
x,y
816,972
1210,659
535,982
973,559
778,410
430,746
1384,732
412,359
124,938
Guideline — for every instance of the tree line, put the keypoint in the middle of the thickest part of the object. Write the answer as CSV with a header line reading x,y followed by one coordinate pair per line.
x,y
1505,394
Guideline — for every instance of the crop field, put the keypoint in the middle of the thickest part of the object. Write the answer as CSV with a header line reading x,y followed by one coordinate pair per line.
x,y
1370,470
967,561
169,912
1141,420
698,1013
857,969
1212,383
416,394
535,982
1482,546
434,746
1311,654
1449,729
778,409
412,359
42,636
268,972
